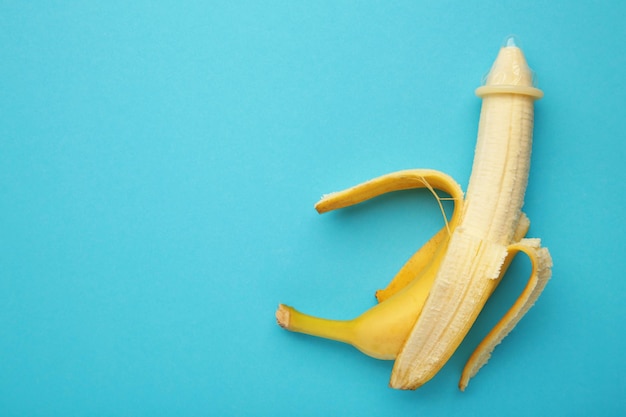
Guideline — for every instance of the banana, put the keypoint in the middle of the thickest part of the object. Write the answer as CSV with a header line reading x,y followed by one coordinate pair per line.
x,y
428,308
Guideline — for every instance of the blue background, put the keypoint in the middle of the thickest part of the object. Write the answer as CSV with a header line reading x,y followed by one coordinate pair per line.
x,y
159,162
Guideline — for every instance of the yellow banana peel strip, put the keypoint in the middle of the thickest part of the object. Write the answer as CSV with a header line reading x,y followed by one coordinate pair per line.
x,y
404,180
540,274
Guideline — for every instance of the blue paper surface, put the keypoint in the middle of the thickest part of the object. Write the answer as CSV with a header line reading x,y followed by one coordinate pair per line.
x,y
159,162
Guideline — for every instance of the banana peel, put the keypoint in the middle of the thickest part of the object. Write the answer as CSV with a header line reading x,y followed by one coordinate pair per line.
x,y
428,308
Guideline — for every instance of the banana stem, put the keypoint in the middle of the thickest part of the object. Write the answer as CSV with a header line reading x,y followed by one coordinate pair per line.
x,y
291,319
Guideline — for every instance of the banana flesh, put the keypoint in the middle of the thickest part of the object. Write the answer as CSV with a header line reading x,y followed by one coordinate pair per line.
x,y
428,308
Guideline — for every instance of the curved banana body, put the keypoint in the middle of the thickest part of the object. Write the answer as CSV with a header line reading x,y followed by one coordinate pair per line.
x,y
429,307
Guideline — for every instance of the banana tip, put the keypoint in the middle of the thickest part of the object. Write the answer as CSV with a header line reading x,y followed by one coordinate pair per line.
x,y
282,316
321,207
326,203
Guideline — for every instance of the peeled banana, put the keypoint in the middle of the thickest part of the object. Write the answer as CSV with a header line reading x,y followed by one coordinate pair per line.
x,y
430,305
